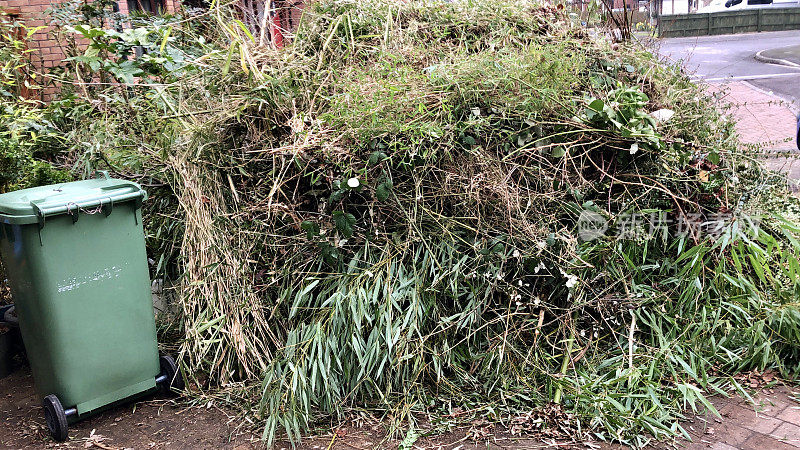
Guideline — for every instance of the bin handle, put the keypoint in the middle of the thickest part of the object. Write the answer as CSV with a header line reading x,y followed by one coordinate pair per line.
x,y
39,219
102,174
39,215
44,212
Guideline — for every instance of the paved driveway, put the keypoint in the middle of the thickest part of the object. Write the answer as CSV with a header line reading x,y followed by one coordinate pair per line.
x,y
754,91
719,59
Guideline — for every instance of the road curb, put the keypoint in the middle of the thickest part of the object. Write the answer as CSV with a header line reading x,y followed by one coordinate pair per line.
x,y
769,60
788,103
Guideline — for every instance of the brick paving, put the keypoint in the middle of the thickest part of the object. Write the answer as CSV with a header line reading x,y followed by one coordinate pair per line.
x,y
762,119
767,124
772,422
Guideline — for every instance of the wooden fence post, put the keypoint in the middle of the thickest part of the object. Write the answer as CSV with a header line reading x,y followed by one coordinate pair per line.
x,y
758,20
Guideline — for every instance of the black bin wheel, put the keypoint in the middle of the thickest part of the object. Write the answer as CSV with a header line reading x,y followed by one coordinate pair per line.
x,y
8,314
55,417
174,378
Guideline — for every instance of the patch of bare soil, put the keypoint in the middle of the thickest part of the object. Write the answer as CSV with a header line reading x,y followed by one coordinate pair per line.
x,y
160,423
496,439
154,423
165,423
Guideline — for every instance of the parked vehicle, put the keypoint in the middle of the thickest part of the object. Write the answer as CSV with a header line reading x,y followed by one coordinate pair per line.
x,y
739,5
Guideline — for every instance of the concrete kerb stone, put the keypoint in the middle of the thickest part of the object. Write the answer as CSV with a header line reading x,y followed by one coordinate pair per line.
x,y
770,60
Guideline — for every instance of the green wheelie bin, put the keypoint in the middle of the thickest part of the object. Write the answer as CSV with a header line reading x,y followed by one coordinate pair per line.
x,y
75,259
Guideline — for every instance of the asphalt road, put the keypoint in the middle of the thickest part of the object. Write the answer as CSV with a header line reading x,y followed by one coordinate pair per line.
x,y
732,58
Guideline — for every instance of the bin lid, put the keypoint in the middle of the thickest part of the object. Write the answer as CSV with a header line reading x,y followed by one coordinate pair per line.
x,y
35,204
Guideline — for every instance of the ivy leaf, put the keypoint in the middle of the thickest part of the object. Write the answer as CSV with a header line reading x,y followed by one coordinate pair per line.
x,y
376,157
125,71
311,228
337,195
330,254
383,190
344,223
597,105
91,52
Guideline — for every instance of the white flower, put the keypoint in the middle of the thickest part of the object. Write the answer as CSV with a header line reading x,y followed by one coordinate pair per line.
x,y
353,183
539,267
516,253
572,280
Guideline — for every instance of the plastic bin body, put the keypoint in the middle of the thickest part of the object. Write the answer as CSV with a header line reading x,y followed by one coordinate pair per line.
x,y
81,286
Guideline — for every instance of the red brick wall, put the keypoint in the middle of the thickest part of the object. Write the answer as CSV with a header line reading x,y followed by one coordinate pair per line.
x,y
48,51
296,12
631,5
31,12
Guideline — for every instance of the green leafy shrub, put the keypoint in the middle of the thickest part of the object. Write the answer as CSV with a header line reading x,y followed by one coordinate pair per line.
x,y
23,125
14,160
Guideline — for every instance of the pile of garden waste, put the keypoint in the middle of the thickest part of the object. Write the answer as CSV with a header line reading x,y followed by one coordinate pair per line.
x,y
415,208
